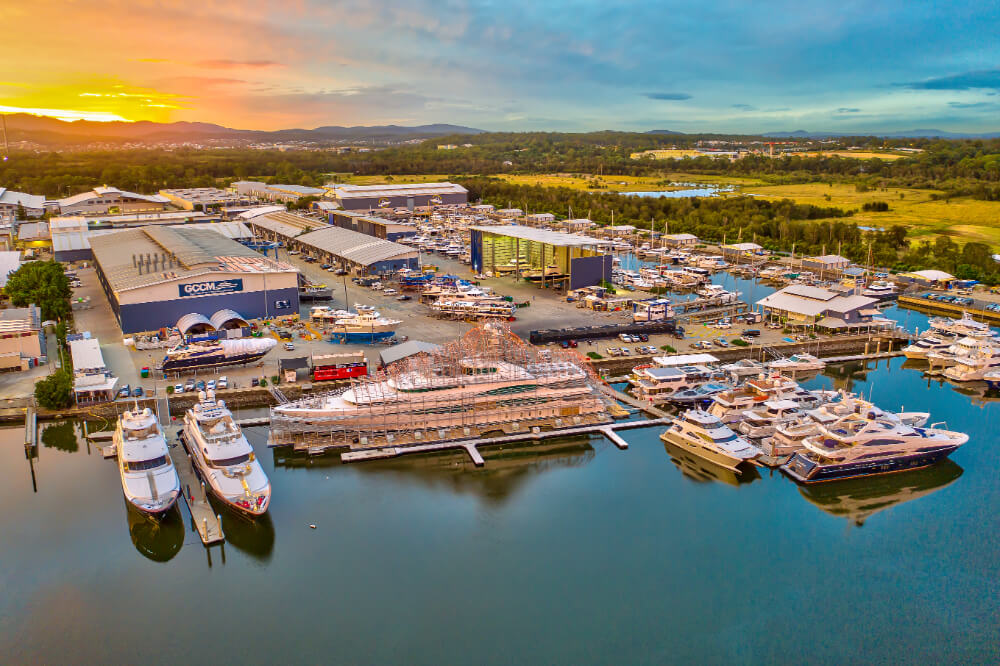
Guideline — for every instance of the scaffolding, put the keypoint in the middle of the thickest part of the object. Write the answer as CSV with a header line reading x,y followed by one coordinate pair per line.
x,y
490,380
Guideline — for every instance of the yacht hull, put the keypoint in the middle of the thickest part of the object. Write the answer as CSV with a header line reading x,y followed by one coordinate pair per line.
x,y
211,361
804,470
711,455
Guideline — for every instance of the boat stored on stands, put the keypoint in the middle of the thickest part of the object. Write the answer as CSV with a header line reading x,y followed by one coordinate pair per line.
x,y
215,353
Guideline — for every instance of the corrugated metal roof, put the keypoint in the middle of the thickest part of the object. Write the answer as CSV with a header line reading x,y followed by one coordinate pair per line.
x,y
86,354
815,293
557,238
685,359
193,251
192,319
829,259
389,190
9,262
223,317
792,299
27,200
356,247
405,350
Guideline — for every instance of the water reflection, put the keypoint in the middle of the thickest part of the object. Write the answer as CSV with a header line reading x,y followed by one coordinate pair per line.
x,y
702,471
507,467
253,537
158,540
61,436
859,499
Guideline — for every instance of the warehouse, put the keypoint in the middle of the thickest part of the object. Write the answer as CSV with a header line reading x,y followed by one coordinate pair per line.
x,y
155,275
680,240
827,262
203,198
32,204
71,235
22,342
110,199
360,253
372,226
372,197
738,250
569,260
275,192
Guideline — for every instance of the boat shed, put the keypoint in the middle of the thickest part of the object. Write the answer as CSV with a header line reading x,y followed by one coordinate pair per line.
x,y
734,250
827,262
680,240
800,305
372,226
393,195
406,350
929,278
351,250
568,259
153,276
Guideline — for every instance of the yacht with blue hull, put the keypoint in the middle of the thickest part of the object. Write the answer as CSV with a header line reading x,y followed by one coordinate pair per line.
x,y
216,353
856,446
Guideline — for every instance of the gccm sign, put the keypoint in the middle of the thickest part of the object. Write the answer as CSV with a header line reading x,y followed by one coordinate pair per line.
x,y
210,288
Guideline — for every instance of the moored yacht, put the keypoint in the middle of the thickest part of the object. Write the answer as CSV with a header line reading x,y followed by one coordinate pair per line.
x,y
881,289
707,437
857,446
729,405
927,343
148,477
801,362
763,420
966,348
974,367
224,458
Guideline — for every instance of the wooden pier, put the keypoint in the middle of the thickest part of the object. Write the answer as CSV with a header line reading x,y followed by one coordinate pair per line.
x,y
206,521
471,446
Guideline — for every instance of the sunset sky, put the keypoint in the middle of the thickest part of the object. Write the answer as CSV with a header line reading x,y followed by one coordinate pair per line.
x,y
518,64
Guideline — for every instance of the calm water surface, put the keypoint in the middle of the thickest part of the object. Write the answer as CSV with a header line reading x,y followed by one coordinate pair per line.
x,y
572,553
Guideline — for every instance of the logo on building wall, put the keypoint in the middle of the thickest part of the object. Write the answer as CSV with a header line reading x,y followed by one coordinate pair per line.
x,y
282,305
384,202
437,200
210,288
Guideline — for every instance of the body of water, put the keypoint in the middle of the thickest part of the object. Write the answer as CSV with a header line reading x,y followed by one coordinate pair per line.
x,y
571,552
681,194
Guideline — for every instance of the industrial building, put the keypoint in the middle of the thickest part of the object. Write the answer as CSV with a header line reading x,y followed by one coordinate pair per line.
x,y
203,198
110,199
153,276
71,235
351,250
680,240
9,262
548,257
827,262
22,343
92,381
263,191
372,197
736,250
799,305
372,226
33,204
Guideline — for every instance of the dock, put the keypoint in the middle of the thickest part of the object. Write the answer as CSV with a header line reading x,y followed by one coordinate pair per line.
x,y
206,521
641,405
471,446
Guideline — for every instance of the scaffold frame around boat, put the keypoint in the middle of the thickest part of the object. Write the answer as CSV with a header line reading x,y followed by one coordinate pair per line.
x,y
490,380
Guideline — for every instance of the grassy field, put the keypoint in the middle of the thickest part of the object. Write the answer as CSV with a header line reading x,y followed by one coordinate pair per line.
x,y
963,219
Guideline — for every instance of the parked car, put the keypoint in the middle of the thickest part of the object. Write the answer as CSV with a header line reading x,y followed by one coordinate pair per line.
x,y
340,271
289,346
210,385
189,386
643,337
721,342
404,297
703,344
724,324
751,333
624,351
255,382
137,392
178,388
223,382
573,344
564,344
625,337
390,291
200,385
293,252
326,266
125,391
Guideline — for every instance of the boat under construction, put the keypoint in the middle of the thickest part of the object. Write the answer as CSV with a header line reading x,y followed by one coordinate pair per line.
x,y
489,380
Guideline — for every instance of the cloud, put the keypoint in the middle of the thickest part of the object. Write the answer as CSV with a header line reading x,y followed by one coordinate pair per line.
x,y
847,109
984,78
745,107
667,96
236,64
971,105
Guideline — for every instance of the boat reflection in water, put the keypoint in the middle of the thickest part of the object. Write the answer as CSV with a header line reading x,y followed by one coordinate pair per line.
x,y
253,536
859,499
507,468
160,539
700,470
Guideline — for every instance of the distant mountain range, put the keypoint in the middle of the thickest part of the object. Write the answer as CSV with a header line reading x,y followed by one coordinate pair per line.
x,y
51,131
905,134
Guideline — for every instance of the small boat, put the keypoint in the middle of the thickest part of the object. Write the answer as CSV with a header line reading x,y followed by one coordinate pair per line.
x,y
224,458
149,479
801,362
856,446
705,436
698,394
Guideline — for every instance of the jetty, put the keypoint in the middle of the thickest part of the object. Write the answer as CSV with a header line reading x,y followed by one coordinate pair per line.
x,y
206,521
471,446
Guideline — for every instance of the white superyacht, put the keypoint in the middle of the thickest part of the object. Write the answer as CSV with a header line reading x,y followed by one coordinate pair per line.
x,y
224,458
149,480
707,437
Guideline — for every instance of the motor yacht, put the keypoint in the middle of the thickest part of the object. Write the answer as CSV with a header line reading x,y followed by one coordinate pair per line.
x,y
857,446
699,394
149,479
966,348
801,362
707,437
729,405
762,421
974,367
744,368
881,289
965,327
223,457
930,341
656,384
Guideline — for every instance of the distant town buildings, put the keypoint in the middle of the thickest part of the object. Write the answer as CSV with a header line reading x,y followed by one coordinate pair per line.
x,y
109,199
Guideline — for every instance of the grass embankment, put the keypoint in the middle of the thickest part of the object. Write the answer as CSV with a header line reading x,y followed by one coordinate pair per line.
x,y
962,219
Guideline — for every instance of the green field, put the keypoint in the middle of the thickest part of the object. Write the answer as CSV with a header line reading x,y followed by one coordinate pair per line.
x,y
962,219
